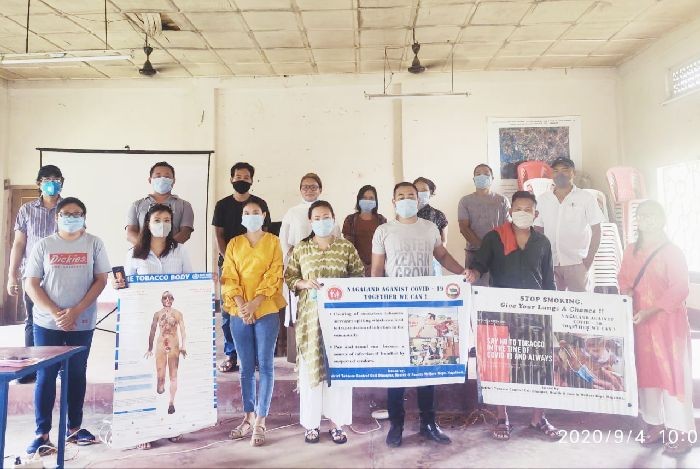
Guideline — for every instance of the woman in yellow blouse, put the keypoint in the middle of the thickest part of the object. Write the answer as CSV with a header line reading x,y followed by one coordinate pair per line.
x,y
251,288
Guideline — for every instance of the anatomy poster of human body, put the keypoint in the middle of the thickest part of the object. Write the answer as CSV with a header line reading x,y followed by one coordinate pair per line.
x,y
555,350
514,140
389,332
164,381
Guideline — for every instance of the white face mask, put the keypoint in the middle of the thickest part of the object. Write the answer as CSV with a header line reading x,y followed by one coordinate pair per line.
x,y
160,230
423,199
522,219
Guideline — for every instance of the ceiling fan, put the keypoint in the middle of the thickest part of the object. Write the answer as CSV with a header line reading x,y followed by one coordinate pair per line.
x,y
147,69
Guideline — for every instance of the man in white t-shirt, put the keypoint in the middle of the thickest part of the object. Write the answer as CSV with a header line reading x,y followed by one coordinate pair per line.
x,y
570,218
405,247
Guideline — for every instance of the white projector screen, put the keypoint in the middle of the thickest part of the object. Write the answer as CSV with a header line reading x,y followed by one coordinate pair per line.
x,y
108,183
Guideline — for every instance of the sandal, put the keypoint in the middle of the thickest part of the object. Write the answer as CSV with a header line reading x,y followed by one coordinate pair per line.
x,y
82,437
681,446
175,439
258,438
144,446
312,436
227,366
502,430
547,430
241,430
338,435
652,434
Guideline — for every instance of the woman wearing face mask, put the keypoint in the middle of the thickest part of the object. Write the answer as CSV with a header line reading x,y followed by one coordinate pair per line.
x,y
156,252
251,289
64,275
655,273
321,254
426,189
295,227
359,227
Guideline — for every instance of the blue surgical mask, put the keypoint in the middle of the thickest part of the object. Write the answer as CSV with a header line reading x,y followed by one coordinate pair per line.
x,y
162,185
367,205
253,222
323,228
423,198
50,188
585,374
561,180
482,181
407,208
70,224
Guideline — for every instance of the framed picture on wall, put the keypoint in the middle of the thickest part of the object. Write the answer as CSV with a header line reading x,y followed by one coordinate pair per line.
x,y
512,140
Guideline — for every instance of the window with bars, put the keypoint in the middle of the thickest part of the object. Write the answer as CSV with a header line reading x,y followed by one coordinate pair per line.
x,y
680,192
685,78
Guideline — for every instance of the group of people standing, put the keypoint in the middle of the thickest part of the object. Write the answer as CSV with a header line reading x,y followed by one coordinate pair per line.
x,y
524,243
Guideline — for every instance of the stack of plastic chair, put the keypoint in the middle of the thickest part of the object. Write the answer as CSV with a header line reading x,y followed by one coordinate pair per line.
x,y
602,202
538,186
628,190
607,261
531,170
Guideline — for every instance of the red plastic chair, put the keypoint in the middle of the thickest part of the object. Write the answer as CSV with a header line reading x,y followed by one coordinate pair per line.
x,y
626,183
531,170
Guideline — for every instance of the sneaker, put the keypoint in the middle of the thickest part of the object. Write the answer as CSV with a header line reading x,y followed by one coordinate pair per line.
x,y
81,438
44,446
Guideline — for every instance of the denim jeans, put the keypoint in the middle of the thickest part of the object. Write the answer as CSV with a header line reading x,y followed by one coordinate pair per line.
x,y
253,341
229,346
45,390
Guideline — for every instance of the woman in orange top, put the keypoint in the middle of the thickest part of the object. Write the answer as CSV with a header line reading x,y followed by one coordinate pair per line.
x,y
251,288
654,272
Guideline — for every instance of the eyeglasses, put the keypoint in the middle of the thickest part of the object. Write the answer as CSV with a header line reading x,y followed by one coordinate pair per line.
x,y
70,215
307,187
50,179
168,297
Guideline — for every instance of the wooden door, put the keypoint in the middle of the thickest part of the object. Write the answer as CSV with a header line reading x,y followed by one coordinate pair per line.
x,y
13,310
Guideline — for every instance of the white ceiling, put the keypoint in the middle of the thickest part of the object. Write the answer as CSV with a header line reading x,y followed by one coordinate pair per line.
x,y
302,37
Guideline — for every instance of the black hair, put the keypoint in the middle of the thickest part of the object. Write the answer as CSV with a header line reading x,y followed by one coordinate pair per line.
x,y
163,164
431,184
483,165
48,171
313,176
659,209
318,203
71,200
524,195
243,165
361,193
405,184
143,245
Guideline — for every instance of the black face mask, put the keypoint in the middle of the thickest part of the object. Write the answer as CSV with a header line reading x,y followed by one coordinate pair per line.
x,y
241,186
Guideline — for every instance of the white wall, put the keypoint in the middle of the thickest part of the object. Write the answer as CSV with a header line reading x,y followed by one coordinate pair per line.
x,y
3,168
289,126
654,134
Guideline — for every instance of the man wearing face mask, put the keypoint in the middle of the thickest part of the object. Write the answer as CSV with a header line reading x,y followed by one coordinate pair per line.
x,y
517,256
480,212
162,179
405,247
228,214
35,220
570,217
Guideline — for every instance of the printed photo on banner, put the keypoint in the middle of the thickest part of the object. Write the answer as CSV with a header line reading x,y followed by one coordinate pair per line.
x,y
390,332
555,350
434,338
164,359
512,141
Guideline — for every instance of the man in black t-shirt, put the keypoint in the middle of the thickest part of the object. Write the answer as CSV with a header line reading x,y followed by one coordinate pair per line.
x,y
227,224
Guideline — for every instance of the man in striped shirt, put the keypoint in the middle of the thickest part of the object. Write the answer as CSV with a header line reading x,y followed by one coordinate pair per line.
x,y
35,220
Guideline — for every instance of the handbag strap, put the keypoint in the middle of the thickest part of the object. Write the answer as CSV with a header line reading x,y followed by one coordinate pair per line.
x,y
646,264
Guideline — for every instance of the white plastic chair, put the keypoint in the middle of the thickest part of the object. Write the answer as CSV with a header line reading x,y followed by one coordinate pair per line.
x,y
608,259
538,186
602,202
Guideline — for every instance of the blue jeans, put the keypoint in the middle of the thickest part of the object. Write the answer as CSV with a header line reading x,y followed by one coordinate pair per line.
x,y
45,390
229,346
256,341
